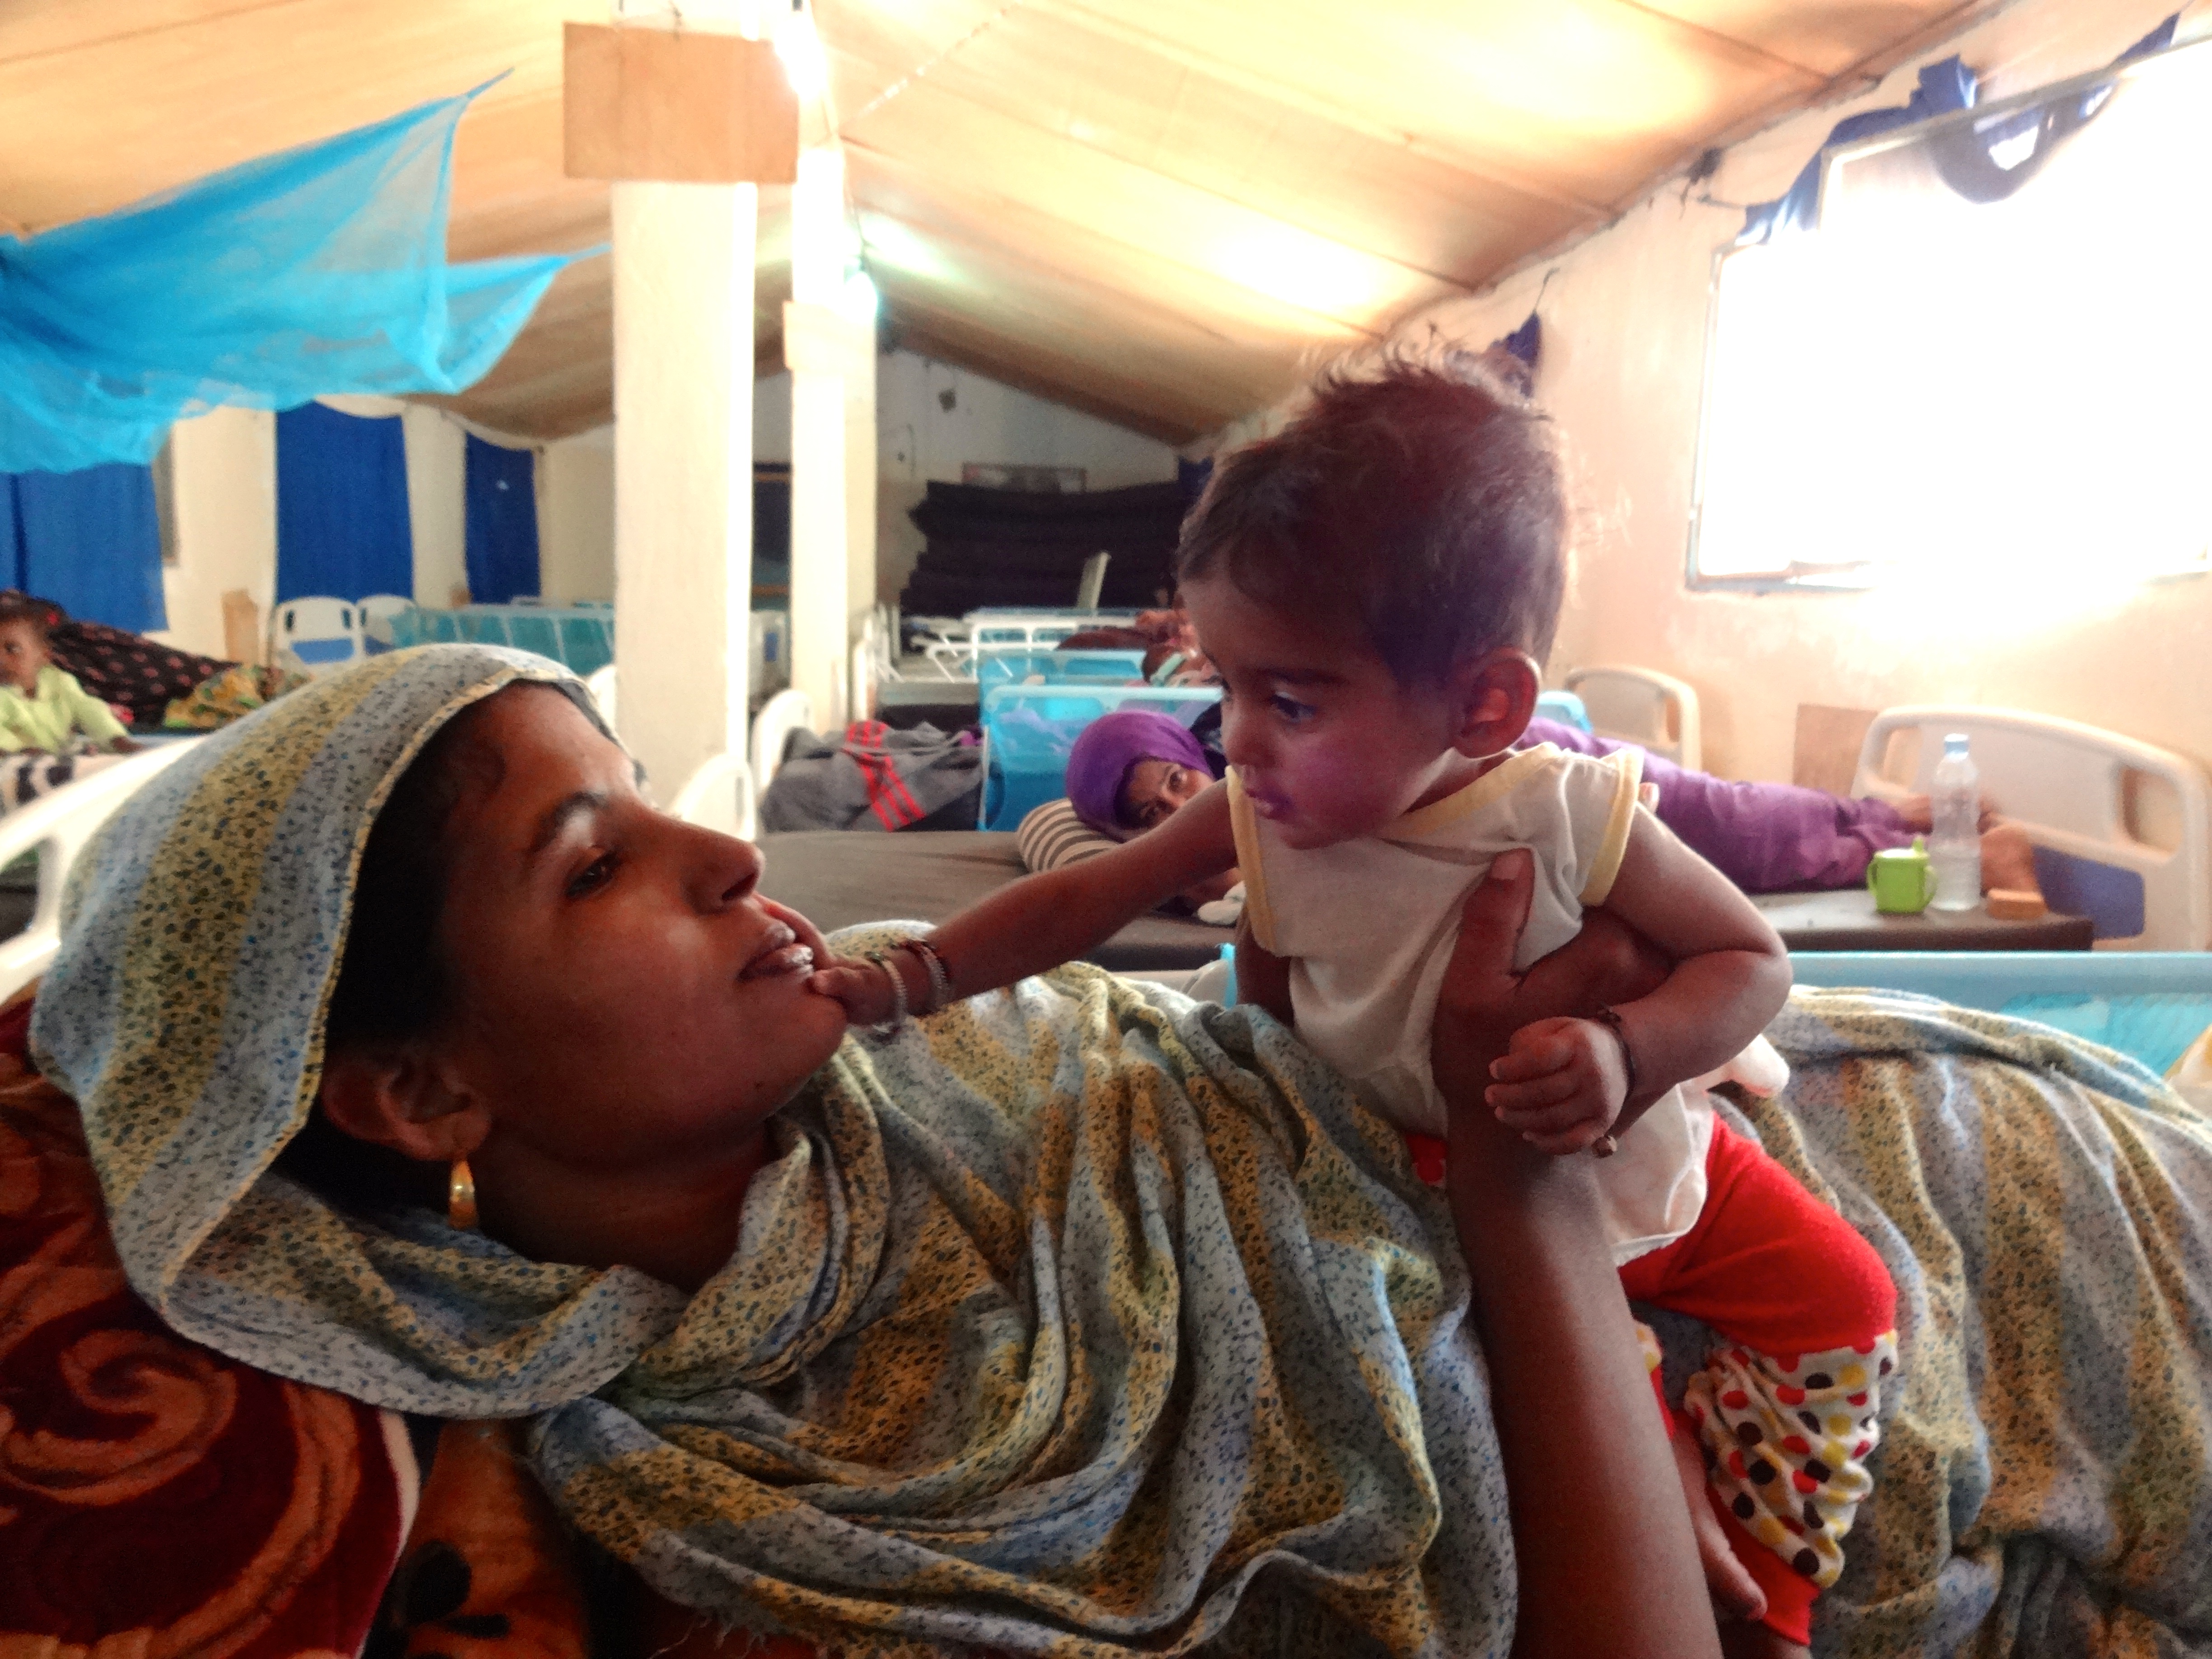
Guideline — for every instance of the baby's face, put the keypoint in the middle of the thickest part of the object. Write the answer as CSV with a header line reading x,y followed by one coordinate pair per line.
x,y
23,655
1327,745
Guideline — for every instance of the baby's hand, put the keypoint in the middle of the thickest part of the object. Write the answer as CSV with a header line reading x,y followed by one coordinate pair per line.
x,y
1560,1085
860,986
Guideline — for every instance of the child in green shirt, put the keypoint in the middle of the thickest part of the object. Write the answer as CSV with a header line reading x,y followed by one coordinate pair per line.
x,y
41,707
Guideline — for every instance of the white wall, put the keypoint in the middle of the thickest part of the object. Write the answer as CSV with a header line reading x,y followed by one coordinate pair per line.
x,y
224,485
1624,336
919,439
576,517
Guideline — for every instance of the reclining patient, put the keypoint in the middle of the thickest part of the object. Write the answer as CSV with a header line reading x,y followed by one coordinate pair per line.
x,y
1372,782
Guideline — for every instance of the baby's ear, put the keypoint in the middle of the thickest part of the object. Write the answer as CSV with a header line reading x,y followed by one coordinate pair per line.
x,y
1495,694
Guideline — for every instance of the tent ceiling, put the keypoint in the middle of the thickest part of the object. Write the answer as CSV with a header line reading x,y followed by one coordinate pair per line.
x,y
1163,211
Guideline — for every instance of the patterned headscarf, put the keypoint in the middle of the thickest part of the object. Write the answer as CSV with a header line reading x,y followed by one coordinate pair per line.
x,y
201,938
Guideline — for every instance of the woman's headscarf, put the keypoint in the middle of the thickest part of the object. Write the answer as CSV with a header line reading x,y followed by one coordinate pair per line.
x,y
1109,747
201,937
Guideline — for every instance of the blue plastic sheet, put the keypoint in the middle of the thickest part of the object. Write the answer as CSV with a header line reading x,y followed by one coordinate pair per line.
x,y
341,524
502,524
320,269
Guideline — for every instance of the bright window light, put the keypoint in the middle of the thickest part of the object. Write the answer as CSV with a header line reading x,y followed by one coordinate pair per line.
x,y
1932,390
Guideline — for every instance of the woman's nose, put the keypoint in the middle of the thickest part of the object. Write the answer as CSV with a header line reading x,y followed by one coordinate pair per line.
x,y
727,869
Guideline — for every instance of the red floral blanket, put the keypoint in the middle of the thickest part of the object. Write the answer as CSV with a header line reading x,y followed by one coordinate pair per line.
x,y
154,1495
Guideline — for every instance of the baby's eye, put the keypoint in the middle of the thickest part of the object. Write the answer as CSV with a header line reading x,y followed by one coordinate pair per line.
x,y
1290,709
592,877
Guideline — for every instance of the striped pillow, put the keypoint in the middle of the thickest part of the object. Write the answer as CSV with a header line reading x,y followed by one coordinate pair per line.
x,y
1052,837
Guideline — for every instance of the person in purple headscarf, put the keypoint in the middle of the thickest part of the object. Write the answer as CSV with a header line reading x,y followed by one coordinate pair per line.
x,y
1130,769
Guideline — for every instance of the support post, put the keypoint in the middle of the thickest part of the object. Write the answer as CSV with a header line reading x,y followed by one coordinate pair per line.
x,y
689,114
813,345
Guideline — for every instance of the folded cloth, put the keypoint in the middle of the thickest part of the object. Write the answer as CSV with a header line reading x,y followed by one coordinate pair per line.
x,y
872,778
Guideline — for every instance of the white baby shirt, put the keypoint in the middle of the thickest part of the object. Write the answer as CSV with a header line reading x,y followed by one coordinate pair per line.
x,y
1368,927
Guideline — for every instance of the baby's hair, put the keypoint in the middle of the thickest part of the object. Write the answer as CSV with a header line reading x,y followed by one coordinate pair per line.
x,y
1416,492
36,614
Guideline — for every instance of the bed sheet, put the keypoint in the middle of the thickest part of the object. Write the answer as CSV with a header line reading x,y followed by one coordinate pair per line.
x,y
2044,1484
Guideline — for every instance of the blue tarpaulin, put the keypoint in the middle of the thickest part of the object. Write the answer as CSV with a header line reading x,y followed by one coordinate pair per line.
x,y
502,522
341,523
320,269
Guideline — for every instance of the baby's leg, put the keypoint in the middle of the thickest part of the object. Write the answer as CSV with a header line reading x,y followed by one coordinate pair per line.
x,y
1787,1413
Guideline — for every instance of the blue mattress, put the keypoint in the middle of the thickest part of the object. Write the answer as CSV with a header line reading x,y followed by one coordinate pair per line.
x,y
2148,1005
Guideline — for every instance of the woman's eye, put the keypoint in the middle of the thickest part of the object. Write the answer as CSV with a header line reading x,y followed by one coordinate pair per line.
x,y
592,877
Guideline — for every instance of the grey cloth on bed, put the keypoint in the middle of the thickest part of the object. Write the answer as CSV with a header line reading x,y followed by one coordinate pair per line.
x,y
870,777
839,880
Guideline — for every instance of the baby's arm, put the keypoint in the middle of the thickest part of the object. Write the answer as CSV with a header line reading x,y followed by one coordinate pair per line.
x,y
1564,1082
1049,918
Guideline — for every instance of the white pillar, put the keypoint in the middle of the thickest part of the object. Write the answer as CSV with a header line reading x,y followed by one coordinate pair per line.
x,y
684,426
820,612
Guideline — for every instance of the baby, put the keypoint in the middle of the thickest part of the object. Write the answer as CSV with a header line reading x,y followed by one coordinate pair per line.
x,y
42,707
1376,587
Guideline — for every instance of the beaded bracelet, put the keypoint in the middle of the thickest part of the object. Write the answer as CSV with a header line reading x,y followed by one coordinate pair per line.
x,y
1610,1019
940,976
1609,1143
891,1027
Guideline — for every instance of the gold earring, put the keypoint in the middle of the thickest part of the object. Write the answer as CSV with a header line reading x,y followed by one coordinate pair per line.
x,y
461,1197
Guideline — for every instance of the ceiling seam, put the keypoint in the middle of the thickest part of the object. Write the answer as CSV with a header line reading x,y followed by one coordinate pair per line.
x,y
1220,195
1819,77
1592,214
105,40
1371,330
1314,104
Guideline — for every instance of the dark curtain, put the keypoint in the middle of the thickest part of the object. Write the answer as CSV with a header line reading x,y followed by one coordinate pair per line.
x,y
502,522
342,525
90,541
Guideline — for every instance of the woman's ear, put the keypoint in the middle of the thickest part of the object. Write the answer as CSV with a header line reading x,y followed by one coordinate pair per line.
x,y
400,1097
1494,696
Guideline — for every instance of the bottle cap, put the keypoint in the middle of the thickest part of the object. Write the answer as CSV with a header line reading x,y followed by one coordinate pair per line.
x,y
1955,743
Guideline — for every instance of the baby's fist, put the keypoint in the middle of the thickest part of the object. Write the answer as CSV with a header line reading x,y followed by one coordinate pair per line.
x,y
1560,1085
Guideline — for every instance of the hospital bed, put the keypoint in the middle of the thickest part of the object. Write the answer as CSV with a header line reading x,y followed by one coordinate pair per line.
x,y
56,827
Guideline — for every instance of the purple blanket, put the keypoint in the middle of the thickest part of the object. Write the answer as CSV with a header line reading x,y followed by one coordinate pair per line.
x,y
1765,837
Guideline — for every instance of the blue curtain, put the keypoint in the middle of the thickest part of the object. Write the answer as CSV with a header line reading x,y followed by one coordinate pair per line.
x,y
90,541
319,269
1965,157
502,522
342,525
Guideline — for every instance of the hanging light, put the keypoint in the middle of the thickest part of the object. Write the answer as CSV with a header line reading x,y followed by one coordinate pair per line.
x,y
800,48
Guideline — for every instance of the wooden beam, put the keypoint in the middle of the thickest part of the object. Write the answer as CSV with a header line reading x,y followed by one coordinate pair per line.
x,y
675,106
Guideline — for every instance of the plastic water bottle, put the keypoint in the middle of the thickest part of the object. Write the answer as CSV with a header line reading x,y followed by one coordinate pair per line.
x,y
1954,846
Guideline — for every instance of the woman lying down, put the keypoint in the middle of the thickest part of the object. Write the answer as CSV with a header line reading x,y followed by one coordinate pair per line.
x,y
421,1060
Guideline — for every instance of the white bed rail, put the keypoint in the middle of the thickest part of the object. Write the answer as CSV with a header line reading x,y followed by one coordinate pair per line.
x,y
720,796
780,716
56,827
2078,790
1642,705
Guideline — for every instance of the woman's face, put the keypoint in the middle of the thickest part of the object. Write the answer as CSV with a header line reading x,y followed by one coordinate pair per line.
x,y
1157,789
626,1000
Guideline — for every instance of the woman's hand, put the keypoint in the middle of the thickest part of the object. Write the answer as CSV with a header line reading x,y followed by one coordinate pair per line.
x,y
1483,1002
1606,1557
